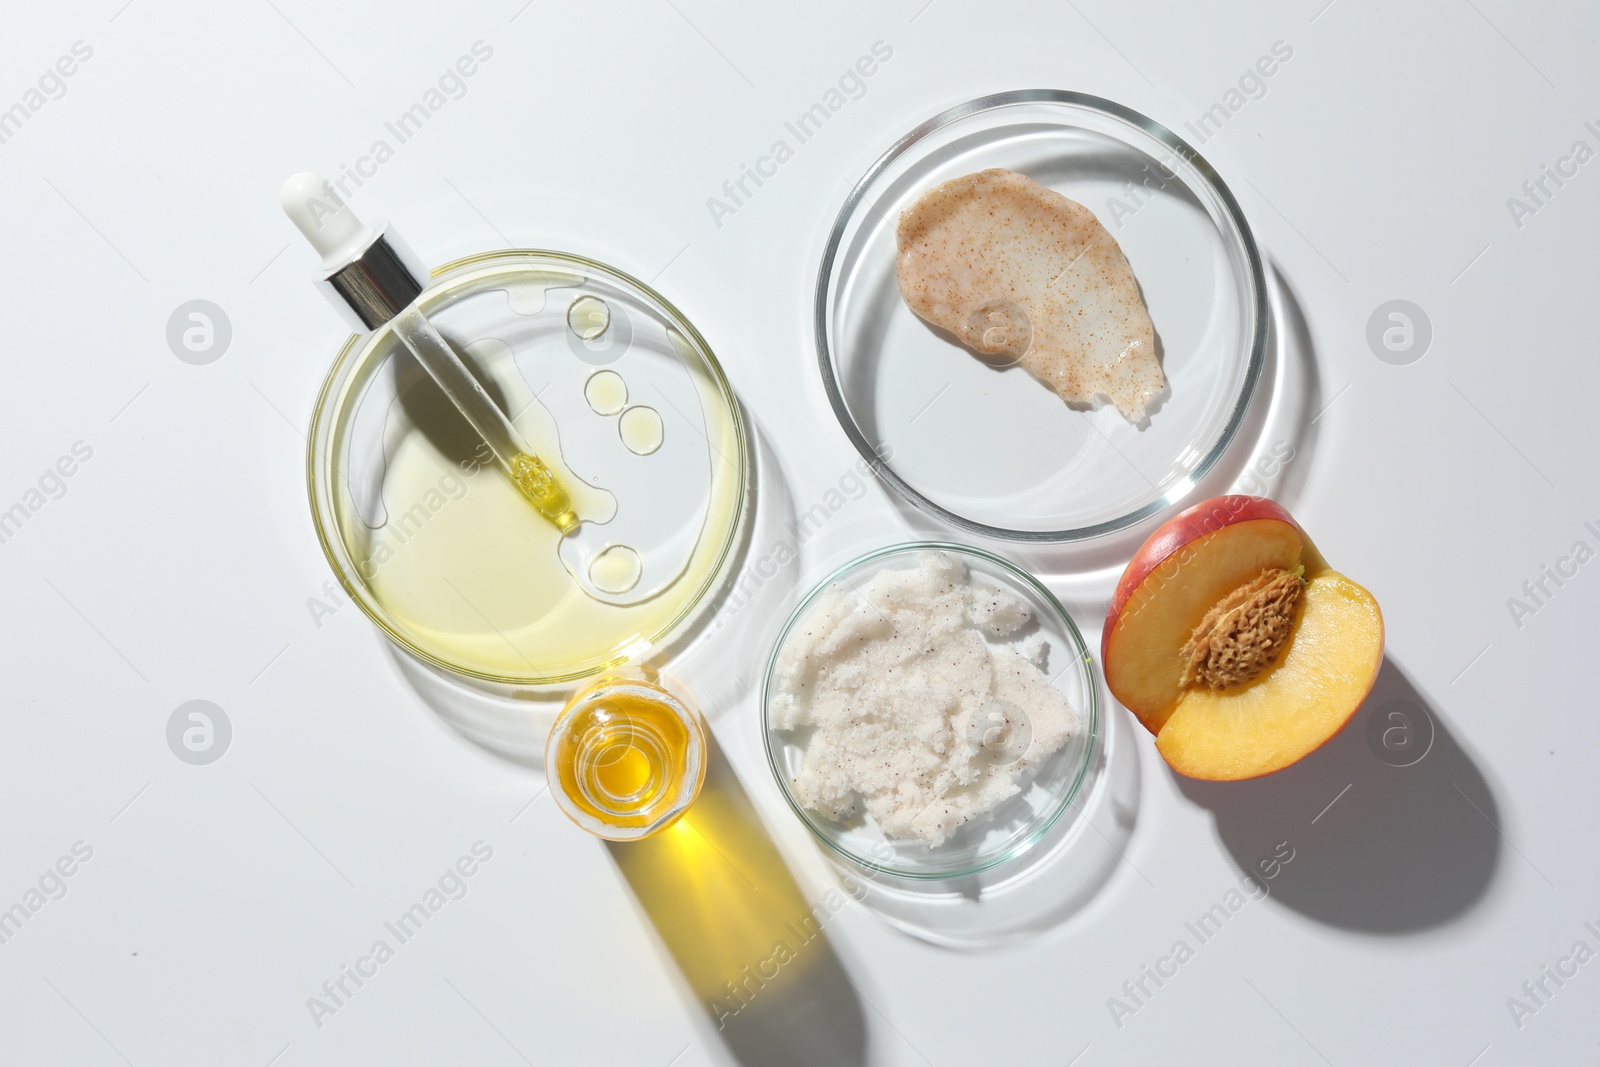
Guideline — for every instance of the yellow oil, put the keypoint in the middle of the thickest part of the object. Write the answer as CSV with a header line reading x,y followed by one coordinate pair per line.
x,y
588,317
606,392
625,756
641,429
468,572
629,773
616,570
544,490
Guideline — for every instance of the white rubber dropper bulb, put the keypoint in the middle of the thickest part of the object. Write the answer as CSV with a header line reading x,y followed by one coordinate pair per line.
x,y
324,219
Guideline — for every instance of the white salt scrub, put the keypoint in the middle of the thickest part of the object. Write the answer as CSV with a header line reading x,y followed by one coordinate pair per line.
x,y
927,706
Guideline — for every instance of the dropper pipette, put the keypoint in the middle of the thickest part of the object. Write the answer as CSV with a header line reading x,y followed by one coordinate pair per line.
x,y
370,274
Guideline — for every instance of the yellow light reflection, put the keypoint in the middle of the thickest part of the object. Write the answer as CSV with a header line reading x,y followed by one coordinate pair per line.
x,y
753,951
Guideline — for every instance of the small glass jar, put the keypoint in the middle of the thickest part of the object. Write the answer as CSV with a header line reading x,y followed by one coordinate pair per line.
x,y
626,758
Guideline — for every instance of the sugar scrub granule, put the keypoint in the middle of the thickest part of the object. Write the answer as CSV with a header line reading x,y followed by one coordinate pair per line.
x,y
899,680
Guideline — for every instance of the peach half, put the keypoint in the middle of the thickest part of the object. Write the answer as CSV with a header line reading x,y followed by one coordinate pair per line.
x,y
1235,644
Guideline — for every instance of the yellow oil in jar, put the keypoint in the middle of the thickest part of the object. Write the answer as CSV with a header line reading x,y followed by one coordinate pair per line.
x,y
626,771
625,759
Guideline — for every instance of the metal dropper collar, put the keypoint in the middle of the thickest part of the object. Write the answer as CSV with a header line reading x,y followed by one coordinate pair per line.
x,y
369,275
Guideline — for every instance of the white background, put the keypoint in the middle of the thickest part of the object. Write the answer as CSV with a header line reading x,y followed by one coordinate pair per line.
x,y
180,561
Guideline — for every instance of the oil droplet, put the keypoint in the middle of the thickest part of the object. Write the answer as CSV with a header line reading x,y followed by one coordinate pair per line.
x,y
641,429
606,392
616,570
588,317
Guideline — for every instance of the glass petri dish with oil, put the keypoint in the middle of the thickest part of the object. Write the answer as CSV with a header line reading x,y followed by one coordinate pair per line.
x,y
623,400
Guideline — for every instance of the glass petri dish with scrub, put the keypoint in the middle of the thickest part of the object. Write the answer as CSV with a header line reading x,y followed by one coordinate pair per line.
x,y
1003,739
978,443
527,468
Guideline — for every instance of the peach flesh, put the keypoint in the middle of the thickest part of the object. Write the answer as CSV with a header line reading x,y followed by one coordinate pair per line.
x,y
1311,689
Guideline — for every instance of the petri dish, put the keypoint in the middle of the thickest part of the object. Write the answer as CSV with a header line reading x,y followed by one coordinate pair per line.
x,y
991,450
431,539
1047,790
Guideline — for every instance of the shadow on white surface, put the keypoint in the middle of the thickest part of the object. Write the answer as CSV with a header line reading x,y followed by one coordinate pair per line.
x,y
511,724
753,954
1296,399
1378,848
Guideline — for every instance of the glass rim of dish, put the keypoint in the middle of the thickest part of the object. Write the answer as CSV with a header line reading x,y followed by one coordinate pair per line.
x,y
333,397
1257,306
1090,715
